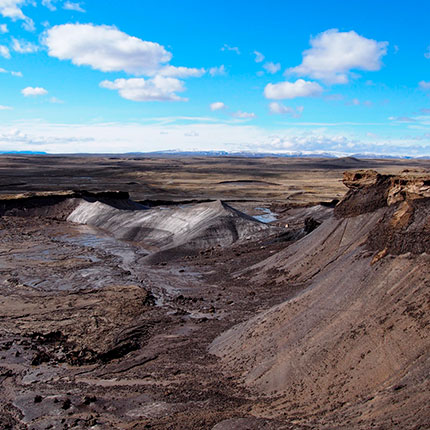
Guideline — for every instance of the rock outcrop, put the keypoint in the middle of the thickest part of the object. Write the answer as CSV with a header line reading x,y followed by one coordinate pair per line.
x,y
370,190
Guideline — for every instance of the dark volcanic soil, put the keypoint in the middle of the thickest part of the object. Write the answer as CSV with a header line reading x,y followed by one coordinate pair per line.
x,y
89,337
98,332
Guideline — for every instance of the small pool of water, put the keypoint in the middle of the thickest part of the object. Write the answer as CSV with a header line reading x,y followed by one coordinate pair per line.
x,y
266,216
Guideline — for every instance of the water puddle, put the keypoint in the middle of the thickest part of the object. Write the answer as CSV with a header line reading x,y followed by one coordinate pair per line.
x,y
89,237
267,215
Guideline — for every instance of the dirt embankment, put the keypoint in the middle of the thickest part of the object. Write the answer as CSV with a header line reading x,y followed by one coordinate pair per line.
x,y
350,350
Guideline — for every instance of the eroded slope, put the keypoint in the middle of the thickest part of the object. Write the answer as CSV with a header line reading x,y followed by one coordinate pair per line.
x,y
350,350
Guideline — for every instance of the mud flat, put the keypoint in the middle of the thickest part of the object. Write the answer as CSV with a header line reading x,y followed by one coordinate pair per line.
x,y
136,309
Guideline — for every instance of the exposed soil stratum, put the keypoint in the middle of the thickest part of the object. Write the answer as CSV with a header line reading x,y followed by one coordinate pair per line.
x,y
124,313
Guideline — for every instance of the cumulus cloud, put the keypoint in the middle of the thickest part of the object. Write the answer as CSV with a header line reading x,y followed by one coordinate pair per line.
x,y
244,115
279,108
68,5
3,29
12,9
2,107
230,48
23,47
291,90
259,57
105,48
218,71
217,106
34,91
334,54
272,67
4,51
158,88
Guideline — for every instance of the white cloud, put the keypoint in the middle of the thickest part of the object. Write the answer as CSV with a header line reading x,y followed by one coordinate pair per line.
x,y
3,29
56,100
105,48
230,48
12,9
158,88
68,5
217,106
132,137
218,71
49,4
334,54
4,51
180,72
259,57
279,108
272,67
291,90
244,115
2,107
427,53
23,47
34,91
424,85
18,74
402,119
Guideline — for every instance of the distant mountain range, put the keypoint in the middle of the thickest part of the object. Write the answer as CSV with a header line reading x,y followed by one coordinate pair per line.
x,y
23,152
179,153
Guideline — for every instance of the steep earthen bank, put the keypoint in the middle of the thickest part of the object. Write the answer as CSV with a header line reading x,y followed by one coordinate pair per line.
x,y
350,350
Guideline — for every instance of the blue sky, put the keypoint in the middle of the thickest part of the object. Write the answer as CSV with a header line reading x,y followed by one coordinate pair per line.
x,y
274,76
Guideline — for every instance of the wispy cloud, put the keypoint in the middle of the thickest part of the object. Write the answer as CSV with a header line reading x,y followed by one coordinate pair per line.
x,y
243,115
231,48
259,57
68,5
4,51
218,71
278,108
23,47
272,67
